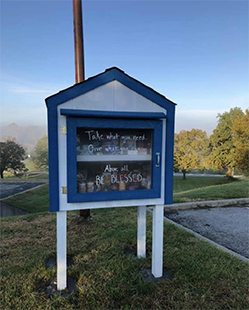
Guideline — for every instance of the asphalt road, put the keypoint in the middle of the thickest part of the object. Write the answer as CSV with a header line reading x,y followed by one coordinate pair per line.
x,y
226,226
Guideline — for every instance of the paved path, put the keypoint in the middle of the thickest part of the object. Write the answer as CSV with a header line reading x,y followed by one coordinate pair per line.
x,y
8,189
228,227
179,174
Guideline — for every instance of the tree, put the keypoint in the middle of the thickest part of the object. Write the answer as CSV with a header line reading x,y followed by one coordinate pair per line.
x,y
189,149
41,153
12,156
222,142
240,131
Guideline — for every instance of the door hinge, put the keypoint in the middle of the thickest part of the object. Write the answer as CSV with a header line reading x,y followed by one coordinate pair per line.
x,y
64,190
63,130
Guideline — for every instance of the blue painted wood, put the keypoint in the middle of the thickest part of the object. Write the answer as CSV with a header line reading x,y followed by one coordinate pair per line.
x,y
169,158
111,114
157,148
112,196
71,158
88,85
53,160
73,123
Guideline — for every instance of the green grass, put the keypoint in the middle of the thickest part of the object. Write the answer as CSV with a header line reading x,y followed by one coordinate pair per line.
x,y
192,189
204,278
190,183
33,201
234,189
9,177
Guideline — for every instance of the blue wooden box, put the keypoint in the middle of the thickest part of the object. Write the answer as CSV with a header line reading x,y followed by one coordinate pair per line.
x,y
110,144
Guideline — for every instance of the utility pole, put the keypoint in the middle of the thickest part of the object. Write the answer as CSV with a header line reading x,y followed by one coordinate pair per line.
x,y
78,42
79,60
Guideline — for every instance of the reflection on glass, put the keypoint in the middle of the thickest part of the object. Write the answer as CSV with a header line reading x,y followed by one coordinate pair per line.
x,y
113,142
113,160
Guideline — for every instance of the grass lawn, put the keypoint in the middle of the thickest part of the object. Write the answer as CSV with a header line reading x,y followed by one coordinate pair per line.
x,y
33,201
226,190
203,277
35,177
193,189
190,183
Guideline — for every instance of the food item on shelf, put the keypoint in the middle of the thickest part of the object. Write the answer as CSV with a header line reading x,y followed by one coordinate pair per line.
x,y
83,150
114,187
78,145
149,148
146,182
97,187
81,183
132,152
142,151
82,186
107,181
131,172
110,147
131,146
107,142
90,186
122,186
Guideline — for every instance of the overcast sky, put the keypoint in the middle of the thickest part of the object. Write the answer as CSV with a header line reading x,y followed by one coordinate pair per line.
x,y
193,52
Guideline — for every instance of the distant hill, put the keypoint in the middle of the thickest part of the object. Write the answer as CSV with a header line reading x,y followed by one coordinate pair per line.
x,y
27,136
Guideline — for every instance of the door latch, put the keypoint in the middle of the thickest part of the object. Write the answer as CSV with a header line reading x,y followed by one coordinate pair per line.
x,y
158,159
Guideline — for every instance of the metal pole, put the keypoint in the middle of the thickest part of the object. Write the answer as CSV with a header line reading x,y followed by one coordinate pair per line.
x,y
79,59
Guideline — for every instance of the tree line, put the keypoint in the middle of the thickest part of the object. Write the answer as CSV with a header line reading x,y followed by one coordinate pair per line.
x,y
13,155
226,149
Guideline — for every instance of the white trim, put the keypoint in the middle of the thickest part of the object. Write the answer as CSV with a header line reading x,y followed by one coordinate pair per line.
x,y
141,231
157,241
114,96
61,250
64,206
94,158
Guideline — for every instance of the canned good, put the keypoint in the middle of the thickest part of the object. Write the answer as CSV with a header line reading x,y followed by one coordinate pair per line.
x,y
82,187
90,186
122,186
97,188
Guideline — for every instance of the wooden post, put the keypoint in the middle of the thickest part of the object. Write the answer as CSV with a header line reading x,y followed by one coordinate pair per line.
x,y
157,241
61,250
141,231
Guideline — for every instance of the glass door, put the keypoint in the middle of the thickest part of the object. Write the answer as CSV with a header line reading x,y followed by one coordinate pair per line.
x,y
113,159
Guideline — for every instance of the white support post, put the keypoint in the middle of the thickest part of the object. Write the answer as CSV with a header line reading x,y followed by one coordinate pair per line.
x,y
61,250
157,241
141,231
